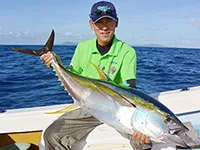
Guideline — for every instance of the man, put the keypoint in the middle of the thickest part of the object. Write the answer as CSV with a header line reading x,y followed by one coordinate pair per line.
x,y
116,59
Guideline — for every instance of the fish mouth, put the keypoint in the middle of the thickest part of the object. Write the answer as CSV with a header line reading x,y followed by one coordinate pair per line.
x,y
178,129
175,130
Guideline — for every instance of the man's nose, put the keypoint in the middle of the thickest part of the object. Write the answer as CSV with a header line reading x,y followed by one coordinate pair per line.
x,y
104,27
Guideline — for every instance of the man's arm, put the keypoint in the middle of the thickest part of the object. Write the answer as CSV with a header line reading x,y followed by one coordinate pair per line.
x,y
131,83
128,68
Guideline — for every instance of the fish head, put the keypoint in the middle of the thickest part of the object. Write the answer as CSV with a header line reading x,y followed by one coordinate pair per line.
x,y
175,125
159,126
176,128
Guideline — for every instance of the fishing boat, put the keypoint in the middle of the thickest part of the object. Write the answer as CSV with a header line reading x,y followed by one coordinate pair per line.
x,y
26,125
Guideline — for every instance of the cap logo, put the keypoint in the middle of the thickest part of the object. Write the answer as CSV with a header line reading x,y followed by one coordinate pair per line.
x,y
104,9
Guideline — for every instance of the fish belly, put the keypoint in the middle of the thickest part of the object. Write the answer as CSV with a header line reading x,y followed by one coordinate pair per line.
x,y
109,111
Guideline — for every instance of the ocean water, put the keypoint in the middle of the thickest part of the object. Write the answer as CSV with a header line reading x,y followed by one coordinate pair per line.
x,y
27,82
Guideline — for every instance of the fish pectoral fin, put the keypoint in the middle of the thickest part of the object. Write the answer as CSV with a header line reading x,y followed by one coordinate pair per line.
x,y
69,108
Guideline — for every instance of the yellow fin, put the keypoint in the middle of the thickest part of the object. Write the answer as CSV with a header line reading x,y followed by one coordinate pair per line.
x,y
66,109
102,75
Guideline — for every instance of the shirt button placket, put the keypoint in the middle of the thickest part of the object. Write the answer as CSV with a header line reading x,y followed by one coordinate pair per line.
x,y
100,65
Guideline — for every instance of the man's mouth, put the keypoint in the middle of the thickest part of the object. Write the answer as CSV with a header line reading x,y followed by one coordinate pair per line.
x,y
105,33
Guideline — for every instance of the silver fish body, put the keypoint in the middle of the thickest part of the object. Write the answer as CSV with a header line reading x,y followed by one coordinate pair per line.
x,y
121,108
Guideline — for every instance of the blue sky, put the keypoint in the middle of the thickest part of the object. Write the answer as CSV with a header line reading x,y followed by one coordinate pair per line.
x,y
174,23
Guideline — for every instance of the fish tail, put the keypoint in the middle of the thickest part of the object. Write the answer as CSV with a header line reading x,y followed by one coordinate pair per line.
x,y
48,47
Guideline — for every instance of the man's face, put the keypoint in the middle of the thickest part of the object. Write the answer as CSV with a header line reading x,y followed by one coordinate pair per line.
x,y
104,30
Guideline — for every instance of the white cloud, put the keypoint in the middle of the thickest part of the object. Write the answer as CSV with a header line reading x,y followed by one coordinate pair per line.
x,y
142,38
28,37
190,42
185,41
23,37
0,28
17,35
68,33
27,32
192,21
70,36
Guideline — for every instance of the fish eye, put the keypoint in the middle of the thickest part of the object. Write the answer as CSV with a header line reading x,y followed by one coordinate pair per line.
x,y
168,119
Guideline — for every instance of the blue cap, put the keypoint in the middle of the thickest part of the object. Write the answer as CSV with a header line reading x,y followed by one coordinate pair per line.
x,y
101,10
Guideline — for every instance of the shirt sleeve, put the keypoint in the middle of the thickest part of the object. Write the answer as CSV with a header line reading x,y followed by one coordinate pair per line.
x,y
129,65
75,64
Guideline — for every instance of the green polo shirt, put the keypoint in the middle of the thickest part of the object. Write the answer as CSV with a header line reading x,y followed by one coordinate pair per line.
x,y
119,63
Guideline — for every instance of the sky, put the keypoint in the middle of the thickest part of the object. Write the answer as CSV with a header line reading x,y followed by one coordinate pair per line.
x,y
172,23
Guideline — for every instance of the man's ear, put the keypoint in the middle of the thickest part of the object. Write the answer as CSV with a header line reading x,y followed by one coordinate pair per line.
x,y
91,24
117,23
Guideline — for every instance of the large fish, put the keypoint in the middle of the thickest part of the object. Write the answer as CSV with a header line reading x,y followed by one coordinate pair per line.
x,y
125,109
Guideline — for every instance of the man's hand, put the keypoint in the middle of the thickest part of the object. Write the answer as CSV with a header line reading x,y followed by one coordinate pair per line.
x,y
140,138
47,58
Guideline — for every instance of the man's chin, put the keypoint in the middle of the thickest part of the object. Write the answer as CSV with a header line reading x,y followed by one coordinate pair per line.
x,y
106,39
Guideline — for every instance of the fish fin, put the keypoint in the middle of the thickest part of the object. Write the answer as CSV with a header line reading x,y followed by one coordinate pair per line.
x,y
102,75
69,108
48,47
49,44
27,51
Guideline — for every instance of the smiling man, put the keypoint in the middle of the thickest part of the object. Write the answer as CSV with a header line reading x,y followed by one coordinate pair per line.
x,y
116,59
